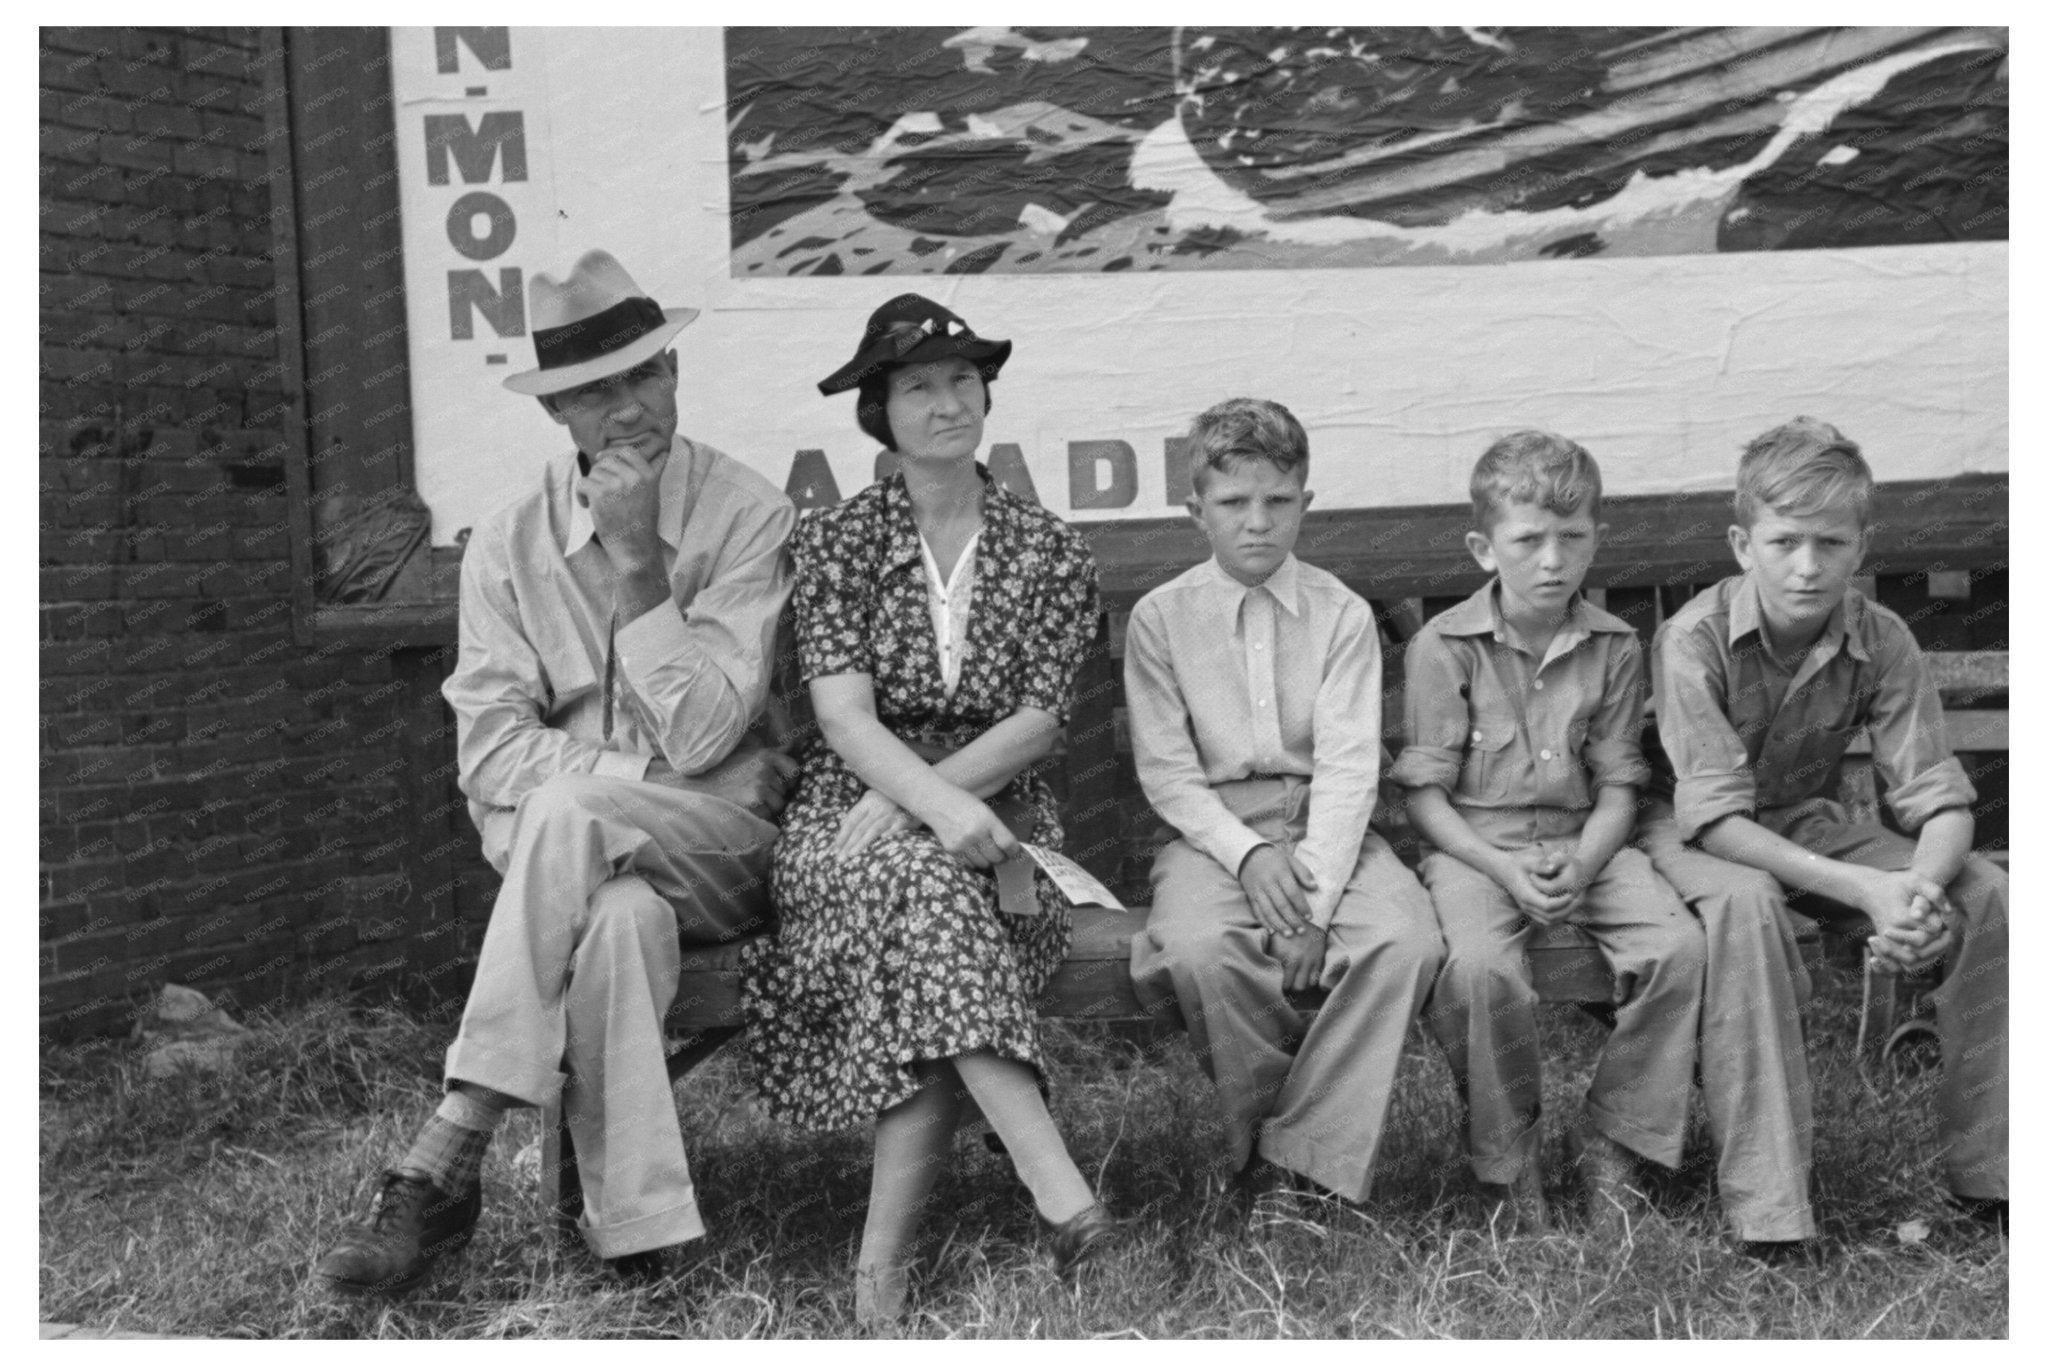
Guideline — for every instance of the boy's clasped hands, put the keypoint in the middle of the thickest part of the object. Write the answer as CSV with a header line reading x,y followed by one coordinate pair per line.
x,y
1909,916
1278,885
1547,884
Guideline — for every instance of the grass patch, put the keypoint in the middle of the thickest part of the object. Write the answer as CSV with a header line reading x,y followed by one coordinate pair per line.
x,y
196,1205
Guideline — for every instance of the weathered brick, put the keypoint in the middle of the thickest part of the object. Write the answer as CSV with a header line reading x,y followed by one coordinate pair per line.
x,y
57,920
207,162
71,621
71,731
208,755
140,79
66,68
77,362
119,944
60,144
92,655
86,503
61,217
172,121
155,47
74,882
90,110
70,1010
224,60
136,151
56,842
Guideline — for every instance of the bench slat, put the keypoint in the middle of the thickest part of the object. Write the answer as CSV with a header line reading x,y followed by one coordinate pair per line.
x,y
1969,732
1969,671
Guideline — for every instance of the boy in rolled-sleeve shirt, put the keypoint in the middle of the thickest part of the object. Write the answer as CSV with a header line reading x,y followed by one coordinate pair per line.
x,y
1761,683
1524,707
1253,682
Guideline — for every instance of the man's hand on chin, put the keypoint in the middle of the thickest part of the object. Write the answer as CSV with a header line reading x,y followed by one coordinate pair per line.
x,y
623,490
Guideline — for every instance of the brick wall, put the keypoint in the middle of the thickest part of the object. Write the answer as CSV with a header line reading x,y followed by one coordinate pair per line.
x,y
218,805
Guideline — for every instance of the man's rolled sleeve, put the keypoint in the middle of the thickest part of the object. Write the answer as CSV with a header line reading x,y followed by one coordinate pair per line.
x,y
1613,752
1909,735
1711,767
1169,768
1435,718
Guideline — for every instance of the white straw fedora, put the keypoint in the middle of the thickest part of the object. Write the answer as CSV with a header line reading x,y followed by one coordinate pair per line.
x,y
593,322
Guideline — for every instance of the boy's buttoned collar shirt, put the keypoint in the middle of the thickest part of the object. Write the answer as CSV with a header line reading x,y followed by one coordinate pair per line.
x,y
1227,682
1749,734
1498,729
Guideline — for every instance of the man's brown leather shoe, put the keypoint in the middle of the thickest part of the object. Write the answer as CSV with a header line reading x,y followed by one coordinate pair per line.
x,y
411,1223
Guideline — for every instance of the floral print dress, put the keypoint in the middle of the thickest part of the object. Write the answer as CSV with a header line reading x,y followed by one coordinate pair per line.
x,y
900,953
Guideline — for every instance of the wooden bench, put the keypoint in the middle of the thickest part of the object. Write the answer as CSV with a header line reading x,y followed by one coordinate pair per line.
x,y
1411,564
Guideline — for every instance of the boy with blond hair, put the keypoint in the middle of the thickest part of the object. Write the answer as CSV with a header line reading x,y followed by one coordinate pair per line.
x,y
1761,682
1254,689
1524,708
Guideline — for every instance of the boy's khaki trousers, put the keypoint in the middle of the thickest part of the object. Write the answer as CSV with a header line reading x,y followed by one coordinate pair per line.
x,y
605,878
1752,1052
1483,1011
1311,1095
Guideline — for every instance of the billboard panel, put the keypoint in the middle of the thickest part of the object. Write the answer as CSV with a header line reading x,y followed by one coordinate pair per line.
x,y
1659,290
923,152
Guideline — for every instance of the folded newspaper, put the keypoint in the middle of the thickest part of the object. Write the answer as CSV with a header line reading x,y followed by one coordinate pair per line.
x,y
1014,890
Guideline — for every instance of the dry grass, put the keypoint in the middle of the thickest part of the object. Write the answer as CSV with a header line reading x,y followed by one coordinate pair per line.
x,y
197,1205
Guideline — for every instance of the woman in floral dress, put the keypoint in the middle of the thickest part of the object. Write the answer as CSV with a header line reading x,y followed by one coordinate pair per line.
x,y
940,622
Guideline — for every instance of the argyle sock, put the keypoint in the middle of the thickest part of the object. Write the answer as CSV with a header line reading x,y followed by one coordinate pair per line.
x,y
450,1148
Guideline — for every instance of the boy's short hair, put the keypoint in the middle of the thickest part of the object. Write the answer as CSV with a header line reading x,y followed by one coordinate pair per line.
x,y
1240,429
1534,467
1800,468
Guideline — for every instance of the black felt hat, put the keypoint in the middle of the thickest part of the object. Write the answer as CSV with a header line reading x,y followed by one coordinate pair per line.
x,y
911,330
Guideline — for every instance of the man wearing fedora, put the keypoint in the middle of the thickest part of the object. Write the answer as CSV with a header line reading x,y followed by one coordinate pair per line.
x,y
618,631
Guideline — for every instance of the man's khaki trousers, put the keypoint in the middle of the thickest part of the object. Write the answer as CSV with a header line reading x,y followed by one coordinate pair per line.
x,y
605,878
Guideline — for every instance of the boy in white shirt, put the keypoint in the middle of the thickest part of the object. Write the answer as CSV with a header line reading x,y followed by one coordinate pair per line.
x,y
1253,682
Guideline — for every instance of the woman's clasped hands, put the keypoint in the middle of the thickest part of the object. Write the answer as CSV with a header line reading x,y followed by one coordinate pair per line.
x,y
966,829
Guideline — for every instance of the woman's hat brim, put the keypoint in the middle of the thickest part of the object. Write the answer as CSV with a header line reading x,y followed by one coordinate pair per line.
x,y
988,355
541,382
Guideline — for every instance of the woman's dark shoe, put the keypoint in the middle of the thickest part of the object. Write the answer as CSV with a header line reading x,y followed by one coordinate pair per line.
x,y
1081,1238
411,1223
